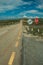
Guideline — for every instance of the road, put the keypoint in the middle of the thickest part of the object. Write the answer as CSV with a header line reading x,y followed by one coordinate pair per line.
x,y
17,48
11,44
32,49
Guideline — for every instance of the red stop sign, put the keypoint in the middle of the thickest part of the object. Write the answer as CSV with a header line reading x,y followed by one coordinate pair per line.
x,y
36,20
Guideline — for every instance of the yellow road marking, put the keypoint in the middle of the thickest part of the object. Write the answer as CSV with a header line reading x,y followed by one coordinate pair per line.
x,y
17,43
19,34
18,38
14,53
12,58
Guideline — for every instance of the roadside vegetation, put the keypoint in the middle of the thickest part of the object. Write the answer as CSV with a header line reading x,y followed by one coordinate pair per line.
x,y
8,22
25,21
34,28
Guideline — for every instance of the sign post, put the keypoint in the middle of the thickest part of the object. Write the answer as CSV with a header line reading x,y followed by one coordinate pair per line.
x,y
36,20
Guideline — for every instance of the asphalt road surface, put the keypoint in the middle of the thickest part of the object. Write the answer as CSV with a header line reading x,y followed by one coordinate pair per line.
x,y
32,49
20,49
11,44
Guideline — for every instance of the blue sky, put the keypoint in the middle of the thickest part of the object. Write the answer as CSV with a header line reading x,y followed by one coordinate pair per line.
x,y
11,9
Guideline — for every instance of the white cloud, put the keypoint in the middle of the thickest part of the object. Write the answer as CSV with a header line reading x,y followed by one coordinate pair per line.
x,y
6,8
28,11
29,3
7,17
38,2
34,12
11,4
1,10
27,16
5,2
31,12
24,16
8,4
40,6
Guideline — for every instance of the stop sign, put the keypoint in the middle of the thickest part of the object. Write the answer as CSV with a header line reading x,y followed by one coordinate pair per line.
x,y
36,20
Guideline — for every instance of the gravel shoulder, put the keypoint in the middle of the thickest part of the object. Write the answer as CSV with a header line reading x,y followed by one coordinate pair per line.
x,y
32,50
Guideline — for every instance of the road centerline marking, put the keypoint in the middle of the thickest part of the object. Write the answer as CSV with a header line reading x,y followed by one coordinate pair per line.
x,y
18,37
12,58
19,33
17,43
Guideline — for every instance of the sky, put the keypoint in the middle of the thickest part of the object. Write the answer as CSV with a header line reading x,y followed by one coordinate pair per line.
x,y
11,9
